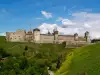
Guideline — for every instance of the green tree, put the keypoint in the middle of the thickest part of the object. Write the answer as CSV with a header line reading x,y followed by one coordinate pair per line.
x,y
58,62
3,53
26,48
24,63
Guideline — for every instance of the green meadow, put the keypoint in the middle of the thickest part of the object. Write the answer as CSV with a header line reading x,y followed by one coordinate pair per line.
x,y
29,58
82,61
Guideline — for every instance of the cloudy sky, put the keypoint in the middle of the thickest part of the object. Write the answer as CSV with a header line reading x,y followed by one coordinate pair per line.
x,y
68,16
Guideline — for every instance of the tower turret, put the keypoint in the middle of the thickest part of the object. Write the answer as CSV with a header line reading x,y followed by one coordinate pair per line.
x,y
76,37
87,37
36,34
29,35
55,35
49,33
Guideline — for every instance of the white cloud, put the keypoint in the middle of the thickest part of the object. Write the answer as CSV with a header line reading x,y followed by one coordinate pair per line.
x,y
91,22
46,14
80,22
2,34
59,19
67,22
87,25
45,27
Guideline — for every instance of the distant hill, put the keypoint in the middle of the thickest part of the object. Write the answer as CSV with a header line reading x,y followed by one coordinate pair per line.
x,y
82,61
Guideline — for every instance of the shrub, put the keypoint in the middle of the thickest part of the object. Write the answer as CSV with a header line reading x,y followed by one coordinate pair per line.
x,y
24,63
26,48
3,53
64,44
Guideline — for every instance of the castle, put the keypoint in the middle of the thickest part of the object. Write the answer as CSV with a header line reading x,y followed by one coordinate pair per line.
x,y
36,37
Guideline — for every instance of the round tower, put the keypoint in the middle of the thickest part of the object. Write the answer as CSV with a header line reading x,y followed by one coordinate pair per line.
x,y
87,36
55,35
76,37
49,33
36,34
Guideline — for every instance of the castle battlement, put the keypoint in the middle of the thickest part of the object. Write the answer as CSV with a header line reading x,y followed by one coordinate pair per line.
x,y
37,37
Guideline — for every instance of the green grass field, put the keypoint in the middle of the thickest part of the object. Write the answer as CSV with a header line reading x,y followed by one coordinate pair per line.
x,y
78,61
18,47
82,60
39,51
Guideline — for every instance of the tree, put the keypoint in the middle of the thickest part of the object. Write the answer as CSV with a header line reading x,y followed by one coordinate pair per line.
x,y
64,44
12,72
58,62
3,53
26,48
24,63
23,53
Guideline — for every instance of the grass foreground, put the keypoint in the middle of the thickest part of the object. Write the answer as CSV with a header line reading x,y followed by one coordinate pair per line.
x,y
17,58
82,61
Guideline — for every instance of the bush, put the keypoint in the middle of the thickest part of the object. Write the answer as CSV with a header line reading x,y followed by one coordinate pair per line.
x,y
26,48
64,44
53,68
24,63
3,53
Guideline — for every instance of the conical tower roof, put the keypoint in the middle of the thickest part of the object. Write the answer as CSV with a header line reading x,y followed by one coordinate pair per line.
x,y
36,29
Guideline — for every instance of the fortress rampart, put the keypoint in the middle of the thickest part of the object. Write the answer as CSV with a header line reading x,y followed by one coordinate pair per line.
x,y
36,37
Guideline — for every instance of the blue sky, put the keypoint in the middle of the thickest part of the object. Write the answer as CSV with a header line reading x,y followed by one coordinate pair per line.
x,y
19,14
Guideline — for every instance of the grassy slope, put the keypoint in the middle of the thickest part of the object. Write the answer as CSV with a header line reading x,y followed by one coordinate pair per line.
x,y
84,59
46,51
18,48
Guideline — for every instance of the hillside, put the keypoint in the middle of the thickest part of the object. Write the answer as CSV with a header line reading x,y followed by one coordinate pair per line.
x,y
82,61
18,47
29,58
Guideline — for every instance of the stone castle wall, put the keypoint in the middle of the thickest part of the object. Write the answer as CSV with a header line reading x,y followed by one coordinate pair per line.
x,y
62,38
75,44
15,36
44,38
35,36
